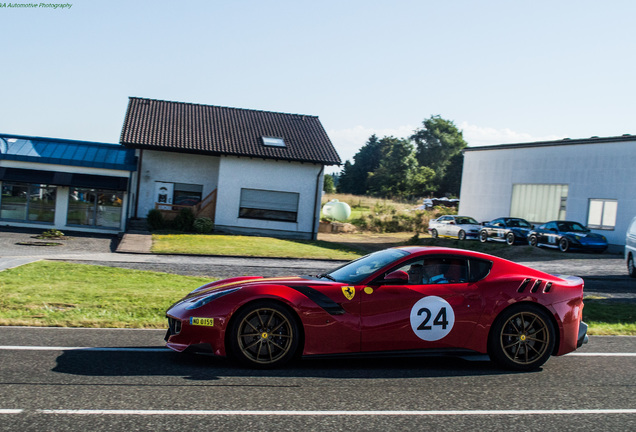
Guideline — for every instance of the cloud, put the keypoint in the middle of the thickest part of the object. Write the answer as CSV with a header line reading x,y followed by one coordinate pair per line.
x,y
482,136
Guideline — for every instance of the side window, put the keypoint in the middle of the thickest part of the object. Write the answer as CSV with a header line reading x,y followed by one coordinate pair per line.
x,y
632,228
479,269
437,270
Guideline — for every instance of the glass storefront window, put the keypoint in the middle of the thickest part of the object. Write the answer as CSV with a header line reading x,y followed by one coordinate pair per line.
x,y
28,202
94,207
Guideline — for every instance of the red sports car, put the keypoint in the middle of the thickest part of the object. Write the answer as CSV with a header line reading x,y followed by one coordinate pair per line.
x,y
406,299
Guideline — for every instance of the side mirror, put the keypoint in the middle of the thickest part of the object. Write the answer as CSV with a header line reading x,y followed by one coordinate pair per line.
x,y
396,277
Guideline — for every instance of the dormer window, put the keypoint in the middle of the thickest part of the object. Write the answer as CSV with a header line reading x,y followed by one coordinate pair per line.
x,y
273,142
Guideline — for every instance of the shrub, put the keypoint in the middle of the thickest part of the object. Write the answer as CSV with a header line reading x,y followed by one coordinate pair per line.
x,y
203,225
184,221
52,233
155,220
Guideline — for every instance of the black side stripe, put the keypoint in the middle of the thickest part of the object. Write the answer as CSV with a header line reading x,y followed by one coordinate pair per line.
x,y
322,300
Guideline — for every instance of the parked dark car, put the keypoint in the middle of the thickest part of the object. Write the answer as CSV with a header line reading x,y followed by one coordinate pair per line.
x,y
506,229
567,235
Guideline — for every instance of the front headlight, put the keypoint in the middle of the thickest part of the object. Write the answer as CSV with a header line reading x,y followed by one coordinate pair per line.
x,y
207,299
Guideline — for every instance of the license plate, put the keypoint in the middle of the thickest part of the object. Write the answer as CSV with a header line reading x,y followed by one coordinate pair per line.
x,y
209,322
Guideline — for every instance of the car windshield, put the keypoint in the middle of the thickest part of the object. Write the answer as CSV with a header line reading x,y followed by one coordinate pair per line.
x,y
462,220
359,269
518,223
571,227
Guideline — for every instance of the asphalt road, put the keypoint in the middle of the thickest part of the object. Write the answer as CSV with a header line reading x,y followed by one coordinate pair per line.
x,y
143,386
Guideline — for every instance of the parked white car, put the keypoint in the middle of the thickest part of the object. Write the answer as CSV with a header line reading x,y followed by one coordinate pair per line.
x,y
460,227
630,248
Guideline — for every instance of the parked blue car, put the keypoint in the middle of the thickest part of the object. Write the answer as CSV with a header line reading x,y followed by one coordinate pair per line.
x,y
566,235
506,229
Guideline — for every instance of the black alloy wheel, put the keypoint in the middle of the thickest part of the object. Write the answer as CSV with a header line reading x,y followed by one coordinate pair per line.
x,y
564,244
532,240
522,338
630,266
264,335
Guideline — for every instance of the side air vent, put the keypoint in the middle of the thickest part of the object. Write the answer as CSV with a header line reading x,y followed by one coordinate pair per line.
x,y
536,285
523,285
547,288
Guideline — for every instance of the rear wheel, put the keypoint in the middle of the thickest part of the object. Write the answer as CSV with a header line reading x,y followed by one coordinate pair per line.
x,y
522,338
483,236
630,266
564,244
434,233
510,238
532,240
264,335
461,235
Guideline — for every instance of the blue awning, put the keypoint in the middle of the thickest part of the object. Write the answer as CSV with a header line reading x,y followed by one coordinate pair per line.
x,y
67,152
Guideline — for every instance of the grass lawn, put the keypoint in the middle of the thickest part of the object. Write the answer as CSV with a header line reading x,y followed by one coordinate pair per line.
x,y
62,294
227,245
59,294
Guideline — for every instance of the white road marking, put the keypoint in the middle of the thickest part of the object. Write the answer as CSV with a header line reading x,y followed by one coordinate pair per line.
x,y
11,411
59,348
338,413
584,354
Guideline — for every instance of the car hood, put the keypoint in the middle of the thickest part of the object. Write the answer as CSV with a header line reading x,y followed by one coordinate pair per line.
x,y
589,235
237,282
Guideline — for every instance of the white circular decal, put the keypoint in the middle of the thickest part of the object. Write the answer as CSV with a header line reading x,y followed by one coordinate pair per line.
x,y
432,318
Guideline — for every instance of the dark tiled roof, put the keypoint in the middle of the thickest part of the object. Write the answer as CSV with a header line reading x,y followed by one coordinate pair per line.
x,y
66,152
207,129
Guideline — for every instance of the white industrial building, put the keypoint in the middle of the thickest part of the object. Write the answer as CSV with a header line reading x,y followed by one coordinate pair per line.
x,y
591,180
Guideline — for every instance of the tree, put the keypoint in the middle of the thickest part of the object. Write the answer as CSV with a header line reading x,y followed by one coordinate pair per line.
x,y
438,145
398,174
354,177
328,185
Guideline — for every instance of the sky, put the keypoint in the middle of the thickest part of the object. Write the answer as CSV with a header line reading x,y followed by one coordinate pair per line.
x,y
503,71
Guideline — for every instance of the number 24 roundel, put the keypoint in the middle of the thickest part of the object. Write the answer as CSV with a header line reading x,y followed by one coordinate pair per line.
x,y
432,318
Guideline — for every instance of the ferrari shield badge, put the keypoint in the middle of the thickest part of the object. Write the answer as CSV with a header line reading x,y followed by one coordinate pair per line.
x,y
349,292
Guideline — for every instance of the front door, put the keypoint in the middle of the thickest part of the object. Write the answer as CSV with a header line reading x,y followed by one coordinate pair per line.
x,y
436,308
163,194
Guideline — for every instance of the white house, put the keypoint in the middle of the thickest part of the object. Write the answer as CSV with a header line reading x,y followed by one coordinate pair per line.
x,y
591,180
252,172
63,184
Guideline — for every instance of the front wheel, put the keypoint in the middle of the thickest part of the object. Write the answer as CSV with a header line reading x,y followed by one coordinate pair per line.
x,y
264,335
522,338
630,266
483,236
532,240
461,235
564,245
510,238
434,233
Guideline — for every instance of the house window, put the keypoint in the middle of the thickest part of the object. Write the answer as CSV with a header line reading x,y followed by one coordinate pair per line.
x,y
268,205
602,214
273,142
187,194
539,202
95,207
28,202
